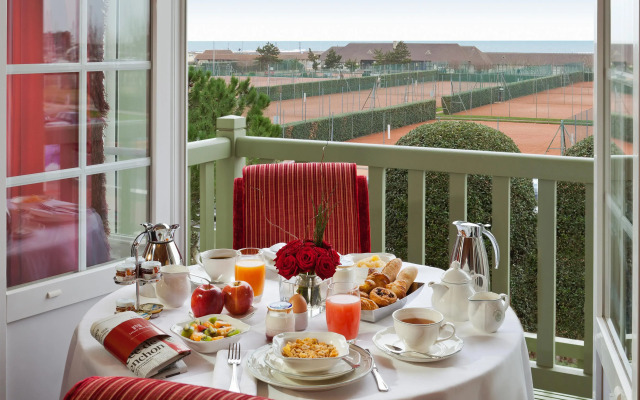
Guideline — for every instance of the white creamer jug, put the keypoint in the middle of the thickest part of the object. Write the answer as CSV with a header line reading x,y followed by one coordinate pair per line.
x,y
174,288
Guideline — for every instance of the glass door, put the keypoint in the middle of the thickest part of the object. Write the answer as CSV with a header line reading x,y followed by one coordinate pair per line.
x,y
616,291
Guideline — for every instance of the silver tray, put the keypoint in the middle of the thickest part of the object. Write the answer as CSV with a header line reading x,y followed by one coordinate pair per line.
x,y
383,312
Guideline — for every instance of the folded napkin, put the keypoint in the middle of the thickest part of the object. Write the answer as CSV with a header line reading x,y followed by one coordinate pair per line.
x,y
222,374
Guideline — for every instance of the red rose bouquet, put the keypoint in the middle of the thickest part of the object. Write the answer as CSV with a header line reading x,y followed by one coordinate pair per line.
x,y
305,256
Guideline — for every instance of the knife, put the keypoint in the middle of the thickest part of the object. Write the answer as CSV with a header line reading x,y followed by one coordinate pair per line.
x,y
374,370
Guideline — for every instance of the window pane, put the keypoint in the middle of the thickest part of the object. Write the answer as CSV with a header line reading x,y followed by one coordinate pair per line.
x,y
42,127
118,116
619,196
42,31
118,30
43,231
120,201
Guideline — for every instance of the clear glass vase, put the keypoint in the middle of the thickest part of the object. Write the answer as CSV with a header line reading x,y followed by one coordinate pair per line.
x,y
311,287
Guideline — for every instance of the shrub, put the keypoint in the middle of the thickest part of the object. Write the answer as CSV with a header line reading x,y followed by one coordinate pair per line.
x,y
469,136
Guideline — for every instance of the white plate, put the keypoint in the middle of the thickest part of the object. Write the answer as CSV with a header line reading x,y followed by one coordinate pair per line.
x,y
441,350
214,345
256,363
252,310
278,364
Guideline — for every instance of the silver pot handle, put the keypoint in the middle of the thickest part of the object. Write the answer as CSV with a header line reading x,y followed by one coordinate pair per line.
x,y
494,242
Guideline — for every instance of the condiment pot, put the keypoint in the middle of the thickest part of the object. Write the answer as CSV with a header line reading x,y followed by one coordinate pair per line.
x,y
451,296
174,288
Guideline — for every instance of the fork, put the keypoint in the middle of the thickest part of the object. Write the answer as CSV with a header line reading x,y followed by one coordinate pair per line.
x,y
234,359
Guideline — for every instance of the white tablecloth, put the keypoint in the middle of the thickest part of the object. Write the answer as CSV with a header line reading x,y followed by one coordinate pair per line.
x,y
490,366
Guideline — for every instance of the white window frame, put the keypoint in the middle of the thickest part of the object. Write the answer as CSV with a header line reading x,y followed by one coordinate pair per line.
x,y
168,170
613,374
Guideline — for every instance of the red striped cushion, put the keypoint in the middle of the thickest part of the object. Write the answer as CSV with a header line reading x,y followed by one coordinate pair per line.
x,y
129,388
279,202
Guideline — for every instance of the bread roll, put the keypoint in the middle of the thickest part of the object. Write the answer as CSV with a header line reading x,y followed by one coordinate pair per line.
x,y
408,274
392,268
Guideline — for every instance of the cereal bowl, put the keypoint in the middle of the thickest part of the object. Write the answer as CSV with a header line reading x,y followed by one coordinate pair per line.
x,y
311,364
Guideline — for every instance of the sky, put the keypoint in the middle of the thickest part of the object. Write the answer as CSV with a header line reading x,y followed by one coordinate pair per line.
x,y
377,20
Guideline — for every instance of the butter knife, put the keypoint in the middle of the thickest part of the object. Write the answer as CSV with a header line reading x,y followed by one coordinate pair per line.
x,y
374,370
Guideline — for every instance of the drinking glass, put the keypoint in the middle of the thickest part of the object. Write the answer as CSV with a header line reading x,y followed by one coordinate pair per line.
x,y
343,309
251,268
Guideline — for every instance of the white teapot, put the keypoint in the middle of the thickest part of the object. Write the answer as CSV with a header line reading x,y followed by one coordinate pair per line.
x,y
451,297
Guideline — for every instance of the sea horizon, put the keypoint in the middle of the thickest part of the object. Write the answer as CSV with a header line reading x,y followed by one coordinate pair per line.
x,y
488,46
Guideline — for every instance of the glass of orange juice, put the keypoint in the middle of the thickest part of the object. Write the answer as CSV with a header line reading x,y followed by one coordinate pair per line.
x,y
251,268
343,309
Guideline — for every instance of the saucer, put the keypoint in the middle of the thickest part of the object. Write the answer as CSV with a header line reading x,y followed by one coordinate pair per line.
x,y
439,351
279,366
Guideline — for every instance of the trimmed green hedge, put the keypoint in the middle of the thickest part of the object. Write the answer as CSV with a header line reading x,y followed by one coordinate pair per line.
x,y
468,136
482,97
351,125
331,86
487,77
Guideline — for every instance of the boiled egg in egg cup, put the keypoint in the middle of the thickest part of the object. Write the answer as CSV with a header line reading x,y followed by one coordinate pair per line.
x,y
299,311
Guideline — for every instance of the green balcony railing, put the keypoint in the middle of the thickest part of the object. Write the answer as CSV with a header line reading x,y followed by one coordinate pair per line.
x,y
226,154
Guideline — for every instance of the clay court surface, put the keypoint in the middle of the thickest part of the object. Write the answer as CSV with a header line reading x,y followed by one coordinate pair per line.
x,y
559,103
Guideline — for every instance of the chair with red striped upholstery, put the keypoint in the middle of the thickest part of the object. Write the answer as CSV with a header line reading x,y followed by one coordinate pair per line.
x,y
274,203
129,388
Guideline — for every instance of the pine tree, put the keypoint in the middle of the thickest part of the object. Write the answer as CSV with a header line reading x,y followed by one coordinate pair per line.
x,y
401,54
332,60
268,54
352,65
314,59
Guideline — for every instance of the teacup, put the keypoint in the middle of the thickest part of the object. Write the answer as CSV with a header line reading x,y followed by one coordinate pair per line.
x,y
487,309
420,328
219,264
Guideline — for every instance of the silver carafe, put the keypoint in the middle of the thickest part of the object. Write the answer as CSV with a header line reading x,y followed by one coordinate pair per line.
x,y
160,244
469,250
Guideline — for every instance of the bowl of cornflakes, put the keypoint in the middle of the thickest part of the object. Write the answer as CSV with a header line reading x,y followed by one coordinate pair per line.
x,y
310,351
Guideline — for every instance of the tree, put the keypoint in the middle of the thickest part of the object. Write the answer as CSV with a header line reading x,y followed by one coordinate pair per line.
x,y
268,54
380,57
400,54
352,65
210,98
332,60
313,58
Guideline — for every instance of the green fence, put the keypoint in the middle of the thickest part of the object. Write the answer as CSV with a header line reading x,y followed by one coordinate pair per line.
x,y
475,98
342,127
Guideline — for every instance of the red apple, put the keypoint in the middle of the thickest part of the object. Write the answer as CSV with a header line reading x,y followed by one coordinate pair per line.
x,y
238,297
206,299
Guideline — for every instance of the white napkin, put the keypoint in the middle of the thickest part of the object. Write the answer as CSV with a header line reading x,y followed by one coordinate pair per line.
x,y
222,374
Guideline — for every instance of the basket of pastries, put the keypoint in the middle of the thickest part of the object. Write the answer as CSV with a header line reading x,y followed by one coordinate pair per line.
x,y
387,290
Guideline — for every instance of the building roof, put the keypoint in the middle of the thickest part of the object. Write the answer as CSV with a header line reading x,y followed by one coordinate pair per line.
x,y
228,55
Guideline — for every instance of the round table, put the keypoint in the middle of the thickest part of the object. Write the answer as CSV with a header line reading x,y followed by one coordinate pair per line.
x,y
489,366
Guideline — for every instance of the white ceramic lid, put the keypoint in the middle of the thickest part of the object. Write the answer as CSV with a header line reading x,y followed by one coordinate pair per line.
x,y
456,275
174,269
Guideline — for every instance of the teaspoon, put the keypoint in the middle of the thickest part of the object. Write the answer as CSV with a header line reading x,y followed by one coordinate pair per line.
x,y
399,351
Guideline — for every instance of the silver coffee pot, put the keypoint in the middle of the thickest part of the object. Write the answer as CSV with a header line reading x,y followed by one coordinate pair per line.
x,y
470,252
160,244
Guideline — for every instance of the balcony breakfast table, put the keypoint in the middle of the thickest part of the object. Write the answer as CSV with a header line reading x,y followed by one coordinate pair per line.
x,y
489,366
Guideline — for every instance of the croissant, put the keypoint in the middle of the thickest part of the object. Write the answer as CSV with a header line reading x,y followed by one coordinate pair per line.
x,y
367,286
379,279
399,288
367,304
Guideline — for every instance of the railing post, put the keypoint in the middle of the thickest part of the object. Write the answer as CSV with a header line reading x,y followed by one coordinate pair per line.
x,y
416,215
501,229
377,207
457,204
547,203
230,127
